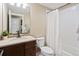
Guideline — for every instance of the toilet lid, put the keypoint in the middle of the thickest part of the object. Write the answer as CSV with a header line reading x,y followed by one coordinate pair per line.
x,y
47,50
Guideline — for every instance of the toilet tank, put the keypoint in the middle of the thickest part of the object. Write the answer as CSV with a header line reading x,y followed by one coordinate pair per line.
x,y
40,41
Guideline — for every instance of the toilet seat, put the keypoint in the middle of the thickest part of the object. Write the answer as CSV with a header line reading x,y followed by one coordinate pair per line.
x,y
47,50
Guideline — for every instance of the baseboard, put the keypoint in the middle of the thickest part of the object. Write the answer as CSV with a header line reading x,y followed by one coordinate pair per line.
x,y
65,53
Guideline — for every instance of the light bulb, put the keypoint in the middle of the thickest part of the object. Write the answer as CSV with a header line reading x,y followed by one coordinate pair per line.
x,y
25,5
18,4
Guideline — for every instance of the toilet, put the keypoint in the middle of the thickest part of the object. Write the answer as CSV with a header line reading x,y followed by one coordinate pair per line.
x,y
45,50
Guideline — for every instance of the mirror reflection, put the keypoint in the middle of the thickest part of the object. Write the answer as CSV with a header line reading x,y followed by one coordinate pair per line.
x,y
18,17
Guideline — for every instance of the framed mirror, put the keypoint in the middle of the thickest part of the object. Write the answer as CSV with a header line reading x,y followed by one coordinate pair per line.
x,y
18,18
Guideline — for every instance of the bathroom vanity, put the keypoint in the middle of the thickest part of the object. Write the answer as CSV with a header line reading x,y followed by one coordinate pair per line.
x,y
19,46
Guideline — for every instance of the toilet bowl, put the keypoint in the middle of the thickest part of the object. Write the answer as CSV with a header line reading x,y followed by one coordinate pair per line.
x,y
45,50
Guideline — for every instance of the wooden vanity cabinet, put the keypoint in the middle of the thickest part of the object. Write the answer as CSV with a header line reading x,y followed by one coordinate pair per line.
x,y
22,49
30,48
14,50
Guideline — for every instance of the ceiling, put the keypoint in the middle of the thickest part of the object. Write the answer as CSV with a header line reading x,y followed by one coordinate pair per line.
x,y
53,5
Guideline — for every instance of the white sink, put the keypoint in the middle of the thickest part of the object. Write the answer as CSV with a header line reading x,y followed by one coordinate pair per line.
x,y
25,37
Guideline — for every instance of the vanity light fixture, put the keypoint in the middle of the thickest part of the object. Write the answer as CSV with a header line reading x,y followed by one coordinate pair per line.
x,y
20,5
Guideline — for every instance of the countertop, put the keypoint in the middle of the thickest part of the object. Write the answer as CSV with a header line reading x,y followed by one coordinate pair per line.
x,y
14,40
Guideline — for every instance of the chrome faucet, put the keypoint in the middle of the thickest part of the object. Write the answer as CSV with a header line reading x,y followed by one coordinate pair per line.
x,y
18,34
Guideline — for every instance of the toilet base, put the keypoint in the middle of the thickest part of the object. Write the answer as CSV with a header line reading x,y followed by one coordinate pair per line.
x,y
46,54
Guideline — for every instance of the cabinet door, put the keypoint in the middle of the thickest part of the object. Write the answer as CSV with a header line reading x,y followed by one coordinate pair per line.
x,y
30,48
31,51
15,50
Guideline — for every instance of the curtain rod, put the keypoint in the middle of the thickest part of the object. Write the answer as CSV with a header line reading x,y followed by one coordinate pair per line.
x,y
58,7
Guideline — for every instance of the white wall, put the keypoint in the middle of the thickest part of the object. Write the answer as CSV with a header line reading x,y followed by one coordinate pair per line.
x,y
5,15
69,25
27,20
0,18
38,20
